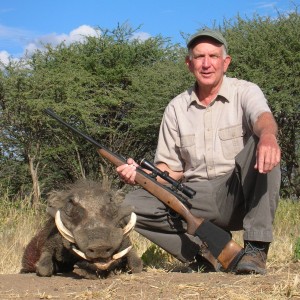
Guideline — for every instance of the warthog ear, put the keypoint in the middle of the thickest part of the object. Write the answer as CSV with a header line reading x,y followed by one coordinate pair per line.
x,y
119,196
55,201
51,211
123,213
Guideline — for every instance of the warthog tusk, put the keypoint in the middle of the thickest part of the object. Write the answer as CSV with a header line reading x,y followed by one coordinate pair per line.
x,y
121,253
80,253
105,266
64,231
130,225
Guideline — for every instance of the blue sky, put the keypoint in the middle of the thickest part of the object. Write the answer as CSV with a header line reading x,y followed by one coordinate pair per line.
x,y
26,23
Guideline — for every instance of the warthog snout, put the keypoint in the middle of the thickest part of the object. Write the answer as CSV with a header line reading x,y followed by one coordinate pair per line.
x,y
96,251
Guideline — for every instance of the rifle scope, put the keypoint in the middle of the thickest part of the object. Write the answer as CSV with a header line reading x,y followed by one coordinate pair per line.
x,y
144,163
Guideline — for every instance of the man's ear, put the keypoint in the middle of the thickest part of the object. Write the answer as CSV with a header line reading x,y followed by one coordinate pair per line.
x,y
227,61
188,62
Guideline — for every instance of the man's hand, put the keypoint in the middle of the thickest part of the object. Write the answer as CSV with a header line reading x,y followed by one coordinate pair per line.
x,y
127,172
267,154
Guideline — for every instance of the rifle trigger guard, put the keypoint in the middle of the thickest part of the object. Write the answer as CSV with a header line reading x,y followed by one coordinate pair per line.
x,y
172,214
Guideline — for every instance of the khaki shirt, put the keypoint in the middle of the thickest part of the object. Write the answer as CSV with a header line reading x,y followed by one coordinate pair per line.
x,y
203,141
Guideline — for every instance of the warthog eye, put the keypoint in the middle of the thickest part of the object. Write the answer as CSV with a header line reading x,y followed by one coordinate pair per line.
x,y
73,210
70,206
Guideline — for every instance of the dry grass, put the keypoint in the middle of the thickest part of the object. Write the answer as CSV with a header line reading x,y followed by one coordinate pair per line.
x,y
18,224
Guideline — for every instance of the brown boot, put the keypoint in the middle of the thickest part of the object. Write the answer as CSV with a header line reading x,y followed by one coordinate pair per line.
x,y
254,259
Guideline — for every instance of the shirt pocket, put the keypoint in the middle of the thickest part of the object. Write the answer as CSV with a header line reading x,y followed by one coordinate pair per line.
x,y
187,148
232,140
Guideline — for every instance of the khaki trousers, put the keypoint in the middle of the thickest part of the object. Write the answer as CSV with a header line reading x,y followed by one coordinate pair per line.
x,y
240,200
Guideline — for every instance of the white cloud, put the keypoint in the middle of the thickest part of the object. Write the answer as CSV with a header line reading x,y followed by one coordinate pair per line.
x,y
266,4
142,36
31,48
15,35
76,35
79,33
4,57
30,44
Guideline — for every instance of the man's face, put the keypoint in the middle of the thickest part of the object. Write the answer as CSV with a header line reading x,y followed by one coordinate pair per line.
x,y
208,63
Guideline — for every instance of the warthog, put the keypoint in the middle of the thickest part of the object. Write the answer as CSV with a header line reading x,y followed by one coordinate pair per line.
x,y
86,227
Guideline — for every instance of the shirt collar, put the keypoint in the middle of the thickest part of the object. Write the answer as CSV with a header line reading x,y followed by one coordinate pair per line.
x,y
223,94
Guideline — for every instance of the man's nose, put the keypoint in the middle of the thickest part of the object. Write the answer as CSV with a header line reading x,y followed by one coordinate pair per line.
x,y
206,61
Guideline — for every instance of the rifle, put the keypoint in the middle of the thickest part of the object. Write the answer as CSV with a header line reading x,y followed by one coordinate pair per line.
x,y
219,242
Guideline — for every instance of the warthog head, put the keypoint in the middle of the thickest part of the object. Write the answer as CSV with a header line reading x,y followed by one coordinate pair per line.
x,y
90,221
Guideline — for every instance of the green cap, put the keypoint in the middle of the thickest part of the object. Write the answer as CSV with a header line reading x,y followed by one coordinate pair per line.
x,y
216,35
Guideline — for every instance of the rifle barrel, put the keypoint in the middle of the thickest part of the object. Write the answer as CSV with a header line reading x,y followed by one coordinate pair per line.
x,y
51,113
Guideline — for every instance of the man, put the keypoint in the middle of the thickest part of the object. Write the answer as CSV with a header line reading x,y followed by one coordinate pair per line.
x,y
219,137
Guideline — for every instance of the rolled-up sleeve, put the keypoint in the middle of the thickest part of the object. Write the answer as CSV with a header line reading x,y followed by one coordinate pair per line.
x,y
254,103
167,147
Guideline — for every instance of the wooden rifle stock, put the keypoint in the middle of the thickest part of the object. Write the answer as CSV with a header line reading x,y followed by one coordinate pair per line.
x,y
218,241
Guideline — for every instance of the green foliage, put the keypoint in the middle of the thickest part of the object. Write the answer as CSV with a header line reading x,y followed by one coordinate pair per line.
x,y
155,256
115,89
111,87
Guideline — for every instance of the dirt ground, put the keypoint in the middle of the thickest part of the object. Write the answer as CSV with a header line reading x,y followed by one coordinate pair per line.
x,y
281,282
